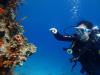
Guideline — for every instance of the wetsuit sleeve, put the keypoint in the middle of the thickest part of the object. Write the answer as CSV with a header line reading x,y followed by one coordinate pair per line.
x,y
61,37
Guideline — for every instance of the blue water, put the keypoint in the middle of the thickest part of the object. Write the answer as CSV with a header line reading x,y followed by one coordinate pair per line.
x,y
41,15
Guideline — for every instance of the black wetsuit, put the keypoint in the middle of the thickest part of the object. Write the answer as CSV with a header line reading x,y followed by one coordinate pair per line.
x,y
87,52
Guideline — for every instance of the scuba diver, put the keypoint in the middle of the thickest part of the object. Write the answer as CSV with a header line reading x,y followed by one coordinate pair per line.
x,y
85,46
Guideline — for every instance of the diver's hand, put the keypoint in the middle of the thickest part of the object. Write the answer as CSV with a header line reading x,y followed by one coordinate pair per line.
x,y
53,30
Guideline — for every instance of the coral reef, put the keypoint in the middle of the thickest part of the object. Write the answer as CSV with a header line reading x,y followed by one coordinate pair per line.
x,y
14,48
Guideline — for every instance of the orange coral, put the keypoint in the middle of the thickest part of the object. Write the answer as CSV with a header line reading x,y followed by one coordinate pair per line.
x,y
2,10
1,42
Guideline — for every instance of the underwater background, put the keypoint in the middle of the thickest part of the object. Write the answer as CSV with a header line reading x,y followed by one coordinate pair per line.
x,y
41,15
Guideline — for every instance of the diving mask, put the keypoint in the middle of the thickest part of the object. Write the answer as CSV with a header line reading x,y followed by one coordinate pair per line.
x,y
83,33
82,30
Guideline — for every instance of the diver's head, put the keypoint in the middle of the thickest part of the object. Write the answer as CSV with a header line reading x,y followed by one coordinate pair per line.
x,y
86,24
83,29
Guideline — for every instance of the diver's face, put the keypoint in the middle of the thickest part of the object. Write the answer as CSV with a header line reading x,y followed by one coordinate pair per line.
x,y
82,32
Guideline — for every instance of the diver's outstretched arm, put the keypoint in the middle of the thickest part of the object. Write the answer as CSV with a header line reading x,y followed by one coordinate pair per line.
x,y
61,37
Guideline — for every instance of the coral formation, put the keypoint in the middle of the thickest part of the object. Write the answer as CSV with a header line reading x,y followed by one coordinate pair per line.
x,y
14,48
